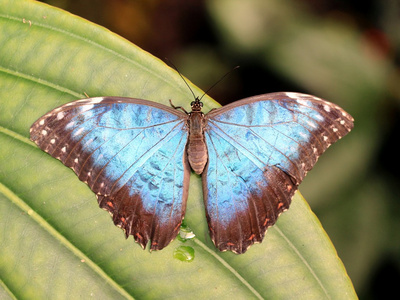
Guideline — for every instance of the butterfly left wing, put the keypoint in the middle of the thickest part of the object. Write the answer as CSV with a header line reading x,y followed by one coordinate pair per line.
x,y
260,149
131,153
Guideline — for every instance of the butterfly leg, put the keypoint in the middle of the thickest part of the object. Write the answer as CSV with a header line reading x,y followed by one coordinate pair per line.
x,y
178,107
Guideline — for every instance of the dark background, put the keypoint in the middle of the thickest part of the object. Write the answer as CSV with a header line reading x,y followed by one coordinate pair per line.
x,y
344,51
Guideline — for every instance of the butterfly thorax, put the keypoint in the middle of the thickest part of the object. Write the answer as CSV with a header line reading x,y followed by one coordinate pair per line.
x,y
196,146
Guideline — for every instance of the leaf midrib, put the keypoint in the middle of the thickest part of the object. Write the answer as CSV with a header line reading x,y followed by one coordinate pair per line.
x,y
225,264
303,260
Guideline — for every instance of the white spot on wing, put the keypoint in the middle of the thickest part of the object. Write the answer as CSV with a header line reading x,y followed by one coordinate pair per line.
x,y
69,125
292,95
89,107
312,124
302,102
327,108
60,115
96,100
303,135
78,132
89,142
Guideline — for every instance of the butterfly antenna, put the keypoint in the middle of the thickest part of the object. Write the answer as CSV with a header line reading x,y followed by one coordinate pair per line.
x,y
183,78
222,78
194,96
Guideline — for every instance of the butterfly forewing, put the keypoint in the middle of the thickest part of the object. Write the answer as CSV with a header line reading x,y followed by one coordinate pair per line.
x,y
260,149
131,153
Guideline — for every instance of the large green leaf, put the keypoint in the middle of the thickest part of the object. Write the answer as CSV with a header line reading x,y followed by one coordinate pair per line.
x,y
54,240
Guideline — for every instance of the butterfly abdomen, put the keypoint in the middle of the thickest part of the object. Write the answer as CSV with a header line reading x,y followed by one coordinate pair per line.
x,y
196,147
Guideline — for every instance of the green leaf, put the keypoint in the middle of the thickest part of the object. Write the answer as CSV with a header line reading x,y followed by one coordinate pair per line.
x,y
56,243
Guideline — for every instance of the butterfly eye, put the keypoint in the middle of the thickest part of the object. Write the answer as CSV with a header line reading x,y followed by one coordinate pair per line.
x,y
191,103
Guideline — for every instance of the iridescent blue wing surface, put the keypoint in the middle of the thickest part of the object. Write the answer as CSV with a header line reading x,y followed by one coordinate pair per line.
x,y
131,153
259,150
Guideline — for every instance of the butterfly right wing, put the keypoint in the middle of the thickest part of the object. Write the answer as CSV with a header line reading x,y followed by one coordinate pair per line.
x,y
131,153
260,149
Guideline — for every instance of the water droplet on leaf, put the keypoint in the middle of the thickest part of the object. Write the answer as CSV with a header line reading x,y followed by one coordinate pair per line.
x,y
184,253
185,233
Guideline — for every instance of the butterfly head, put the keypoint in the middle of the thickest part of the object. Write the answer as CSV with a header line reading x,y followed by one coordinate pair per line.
x,y
196,104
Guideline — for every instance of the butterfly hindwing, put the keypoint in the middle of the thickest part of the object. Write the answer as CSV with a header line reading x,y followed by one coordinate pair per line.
x,y
131,153
260,149
235,192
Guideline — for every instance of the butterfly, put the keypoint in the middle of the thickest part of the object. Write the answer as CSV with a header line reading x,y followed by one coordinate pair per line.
x,y
136,156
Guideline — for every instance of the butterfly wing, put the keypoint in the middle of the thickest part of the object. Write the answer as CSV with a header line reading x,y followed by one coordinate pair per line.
x,y
260,149
131,153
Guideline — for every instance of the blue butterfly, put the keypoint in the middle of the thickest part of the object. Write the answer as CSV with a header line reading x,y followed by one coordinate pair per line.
x,y
136,156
